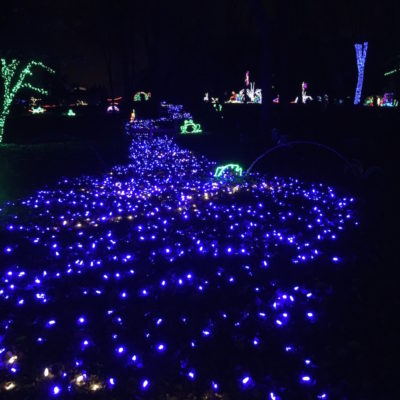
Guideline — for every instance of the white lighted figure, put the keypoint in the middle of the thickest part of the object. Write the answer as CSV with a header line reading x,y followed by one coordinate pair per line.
x,y
255,95
304,96
206,98
113,107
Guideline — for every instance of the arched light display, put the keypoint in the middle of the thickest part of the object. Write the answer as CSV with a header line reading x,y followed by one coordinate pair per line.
x,y
235,168
139,95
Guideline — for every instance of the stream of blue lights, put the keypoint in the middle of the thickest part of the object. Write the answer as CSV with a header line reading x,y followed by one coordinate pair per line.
x,y
157,276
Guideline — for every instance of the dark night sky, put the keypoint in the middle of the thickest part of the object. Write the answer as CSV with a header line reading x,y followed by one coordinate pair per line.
x,y
171,45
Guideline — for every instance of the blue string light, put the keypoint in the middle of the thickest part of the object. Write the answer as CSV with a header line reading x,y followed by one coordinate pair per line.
x,y
361,55
147,270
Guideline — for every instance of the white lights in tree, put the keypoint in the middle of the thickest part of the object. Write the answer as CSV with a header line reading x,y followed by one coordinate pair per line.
x,y
361,54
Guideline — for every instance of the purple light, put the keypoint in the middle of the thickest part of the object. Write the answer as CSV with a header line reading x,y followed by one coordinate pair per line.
x,y
145,384
55,390
246,381
306,379
161,347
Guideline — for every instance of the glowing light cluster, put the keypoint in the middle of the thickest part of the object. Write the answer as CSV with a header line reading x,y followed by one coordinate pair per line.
x,y
13,83
70,113
37,110
157,272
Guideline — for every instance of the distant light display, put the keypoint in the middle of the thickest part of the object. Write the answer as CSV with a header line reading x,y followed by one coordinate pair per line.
x,y
132,117
114,102
369,101
157,273
304,96
235,168
13,83
189,126
237,97
253,94
361,55
70,113
216,104
142,95
37,110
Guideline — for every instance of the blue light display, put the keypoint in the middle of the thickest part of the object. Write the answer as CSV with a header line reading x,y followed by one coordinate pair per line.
x,y
361,55
135,278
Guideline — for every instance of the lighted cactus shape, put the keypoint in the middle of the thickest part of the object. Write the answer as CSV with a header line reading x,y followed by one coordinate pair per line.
x,y
13,82
189,127
235,168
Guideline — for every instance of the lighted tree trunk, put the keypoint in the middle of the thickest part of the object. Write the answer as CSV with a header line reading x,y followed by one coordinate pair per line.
x,y
361,54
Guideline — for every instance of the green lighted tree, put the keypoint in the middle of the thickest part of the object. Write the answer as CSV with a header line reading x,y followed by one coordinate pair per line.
x,y
13,82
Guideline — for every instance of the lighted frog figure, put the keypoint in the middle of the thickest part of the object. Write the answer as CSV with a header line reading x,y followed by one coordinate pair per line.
x,y
190,127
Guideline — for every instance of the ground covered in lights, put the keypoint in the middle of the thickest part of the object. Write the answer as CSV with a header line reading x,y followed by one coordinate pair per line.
x,y
158,278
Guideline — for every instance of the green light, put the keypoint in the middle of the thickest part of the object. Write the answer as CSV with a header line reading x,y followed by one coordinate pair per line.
x,y
138,96
13,82
393,71
190,127
70,113
37,110
236,168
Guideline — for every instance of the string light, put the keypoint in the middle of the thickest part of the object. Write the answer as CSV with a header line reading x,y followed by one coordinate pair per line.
x,y
141,272
13,83
361,55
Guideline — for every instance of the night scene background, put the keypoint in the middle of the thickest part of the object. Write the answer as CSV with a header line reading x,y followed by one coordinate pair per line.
x,y
198,199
